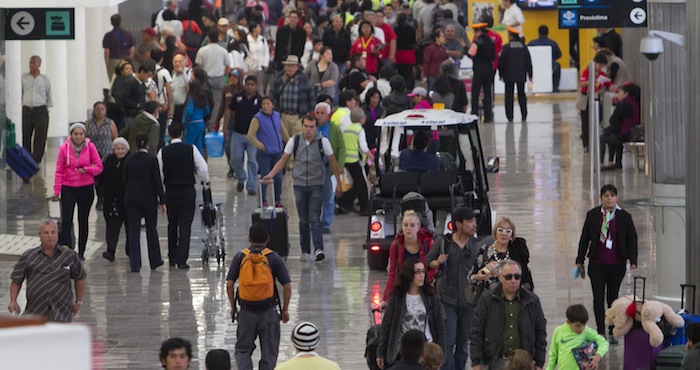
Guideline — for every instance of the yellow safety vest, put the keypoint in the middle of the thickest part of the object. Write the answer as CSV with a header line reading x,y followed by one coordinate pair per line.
x,y
352,142
338,114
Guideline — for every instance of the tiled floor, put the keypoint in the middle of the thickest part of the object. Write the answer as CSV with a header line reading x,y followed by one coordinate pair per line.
x,y
543,186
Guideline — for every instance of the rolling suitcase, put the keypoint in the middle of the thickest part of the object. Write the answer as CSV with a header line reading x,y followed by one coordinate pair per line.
x,y
670,358
689,316
277,219
639,354
21,162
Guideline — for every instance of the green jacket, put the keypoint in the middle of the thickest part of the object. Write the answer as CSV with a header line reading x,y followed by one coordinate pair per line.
x,y
142,124
564,340
337,143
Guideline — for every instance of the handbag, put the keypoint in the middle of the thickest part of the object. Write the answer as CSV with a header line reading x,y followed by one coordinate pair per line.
x,y
473,292
192,40
251,64
582,102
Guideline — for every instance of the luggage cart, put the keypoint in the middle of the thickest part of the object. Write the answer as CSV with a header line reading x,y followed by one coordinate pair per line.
x,y
212,224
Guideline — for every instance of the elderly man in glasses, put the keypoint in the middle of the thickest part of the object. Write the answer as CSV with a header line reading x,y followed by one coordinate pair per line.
x,y
511,318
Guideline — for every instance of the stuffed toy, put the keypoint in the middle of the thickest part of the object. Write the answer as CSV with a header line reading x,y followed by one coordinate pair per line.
x,y
652,312
621,315
624,311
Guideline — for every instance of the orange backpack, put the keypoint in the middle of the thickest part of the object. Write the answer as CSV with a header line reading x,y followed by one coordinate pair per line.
x,y
257,283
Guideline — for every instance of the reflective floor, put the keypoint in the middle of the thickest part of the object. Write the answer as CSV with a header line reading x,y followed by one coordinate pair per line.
x,y
543,186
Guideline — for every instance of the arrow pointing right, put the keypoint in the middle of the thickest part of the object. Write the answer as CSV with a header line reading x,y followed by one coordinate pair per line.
x,y
21,23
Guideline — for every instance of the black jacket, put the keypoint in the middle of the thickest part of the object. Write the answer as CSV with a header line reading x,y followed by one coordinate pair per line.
x,y
142,184
515,63
298,39
488,327
371,131
389,339
133,95
112,177
625,240
339,42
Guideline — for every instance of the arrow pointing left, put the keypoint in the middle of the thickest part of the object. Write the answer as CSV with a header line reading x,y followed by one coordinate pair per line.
x,y
22,23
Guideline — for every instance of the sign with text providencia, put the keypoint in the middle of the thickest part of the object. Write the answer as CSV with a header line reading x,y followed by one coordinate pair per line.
x,y
40,24
602,13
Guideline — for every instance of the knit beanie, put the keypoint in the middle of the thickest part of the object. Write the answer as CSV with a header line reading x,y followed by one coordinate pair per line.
x,y
305,336
76,125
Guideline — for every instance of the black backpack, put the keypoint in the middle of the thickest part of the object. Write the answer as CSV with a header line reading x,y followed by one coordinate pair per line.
x,y
344,82
371,344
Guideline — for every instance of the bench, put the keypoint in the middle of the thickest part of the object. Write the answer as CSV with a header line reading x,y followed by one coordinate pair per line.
x,y
638,150
434,186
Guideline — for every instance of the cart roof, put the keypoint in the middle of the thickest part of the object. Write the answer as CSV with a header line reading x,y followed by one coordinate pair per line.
x,y
426,117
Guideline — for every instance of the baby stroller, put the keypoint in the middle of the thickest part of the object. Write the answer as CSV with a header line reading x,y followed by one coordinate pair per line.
x,y
212,223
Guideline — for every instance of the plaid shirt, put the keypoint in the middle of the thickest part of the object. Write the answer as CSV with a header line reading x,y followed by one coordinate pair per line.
x,y
294,95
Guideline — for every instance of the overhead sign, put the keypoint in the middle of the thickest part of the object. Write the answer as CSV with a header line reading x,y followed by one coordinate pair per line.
x,y
40,24
602,13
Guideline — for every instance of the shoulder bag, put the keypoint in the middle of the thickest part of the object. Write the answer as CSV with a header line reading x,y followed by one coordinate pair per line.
x,y
582,101
251,64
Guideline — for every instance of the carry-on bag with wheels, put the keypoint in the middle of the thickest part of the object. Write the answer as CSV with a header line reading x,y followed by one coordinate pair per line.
x,y
689,316
21,162
639,354
670,358
277,220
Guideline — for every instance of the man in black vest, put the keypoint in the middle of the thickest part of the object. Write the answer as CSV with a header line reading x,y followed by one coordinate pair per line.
x,y
178,164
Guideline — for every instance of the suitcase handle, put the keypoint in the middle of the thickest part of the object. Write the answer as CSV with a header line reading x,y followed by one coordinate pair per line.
x,y
644,288
683,286
260,193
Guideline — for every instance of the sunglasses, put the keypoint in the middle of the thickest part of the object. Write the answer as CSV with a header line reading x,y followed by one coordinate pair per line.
x,y
419,271
511,276
504,231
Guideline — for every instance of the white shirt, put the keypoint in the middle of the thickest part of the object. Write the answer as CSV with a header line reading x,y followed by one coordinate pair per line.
x,y
259,50
162,78
213,59
327,149
179,84
200,165
379,34
416,316
36,91
174,25
512,16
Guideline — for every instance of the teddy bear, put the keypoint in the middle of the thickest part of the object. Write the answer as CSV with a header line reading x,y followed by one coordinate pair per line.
x,y
621,315
652,312
625,310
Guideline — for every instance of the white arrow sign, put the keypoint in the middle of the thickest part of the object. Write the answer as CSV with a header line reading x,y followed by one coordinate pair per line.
x,y
638,15
22,23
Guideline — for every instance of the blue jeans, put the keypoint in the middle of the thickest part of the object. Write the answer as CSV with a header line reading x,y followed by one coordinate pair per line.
x,y
328,199
194,134
239,145
265,164
309,200
458,325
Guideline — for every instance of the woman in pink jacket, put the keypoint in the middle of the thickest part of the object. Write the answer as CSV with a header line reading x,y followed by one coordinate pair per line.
x,y
77,165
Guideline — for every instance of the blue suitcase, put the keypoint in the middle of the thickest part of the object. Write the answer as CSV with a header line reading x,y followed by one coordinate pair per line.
x,y
21,162
689,317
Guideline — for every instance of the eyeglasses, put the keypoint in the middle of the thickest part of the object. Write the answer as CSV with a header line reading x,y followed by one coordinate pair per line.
x,y
511,276
505,231
419,271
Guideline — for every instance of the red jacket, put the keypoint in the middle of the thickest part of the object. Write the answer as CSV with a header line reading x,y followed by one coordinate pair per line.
x,y
368,46
433,56
396,250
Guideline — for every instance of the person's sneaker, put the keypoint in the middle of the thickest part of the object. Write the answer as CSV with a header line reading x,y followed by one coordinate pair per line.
x,y
183,266
264,204
319,255
279,205
305,257
614,340
229,175
240,186
108,256
252,192
157,265
81,256
326,231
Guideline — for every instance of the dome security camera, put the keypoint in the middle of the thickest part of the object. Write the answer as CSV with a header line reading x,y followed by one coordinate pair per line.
x,y
651,46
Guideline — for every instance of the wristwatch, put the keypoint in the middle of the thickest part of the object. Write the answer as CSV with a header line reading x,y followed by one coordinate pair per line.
x,y
79,302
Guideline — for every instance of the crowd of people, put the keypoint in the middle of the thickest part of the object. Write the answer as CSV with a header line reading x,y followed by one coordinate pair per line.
x,y
272,76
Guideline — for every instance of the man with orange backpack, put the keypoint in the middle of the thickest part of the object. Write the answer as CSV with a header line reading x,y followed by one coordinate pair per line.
x,y
256,269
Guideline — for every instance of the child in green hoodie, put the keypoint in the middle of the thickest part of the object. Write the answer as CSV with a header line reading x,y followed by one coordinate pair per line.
x,y
572,334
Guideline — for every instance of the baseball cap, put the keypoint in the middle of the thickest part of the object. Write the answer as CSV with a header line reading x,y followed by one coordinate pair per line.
x,y
150,31
418,91
222,22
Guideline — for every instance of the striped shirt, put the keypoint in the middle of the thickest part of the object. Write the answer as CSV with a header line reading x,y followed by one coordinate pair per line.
x,y
49,291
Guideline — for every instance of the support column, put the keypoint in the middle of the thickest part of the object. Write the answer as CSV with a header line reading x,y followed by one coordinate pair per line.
x,y
692,42
79,78
666,97
57,70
